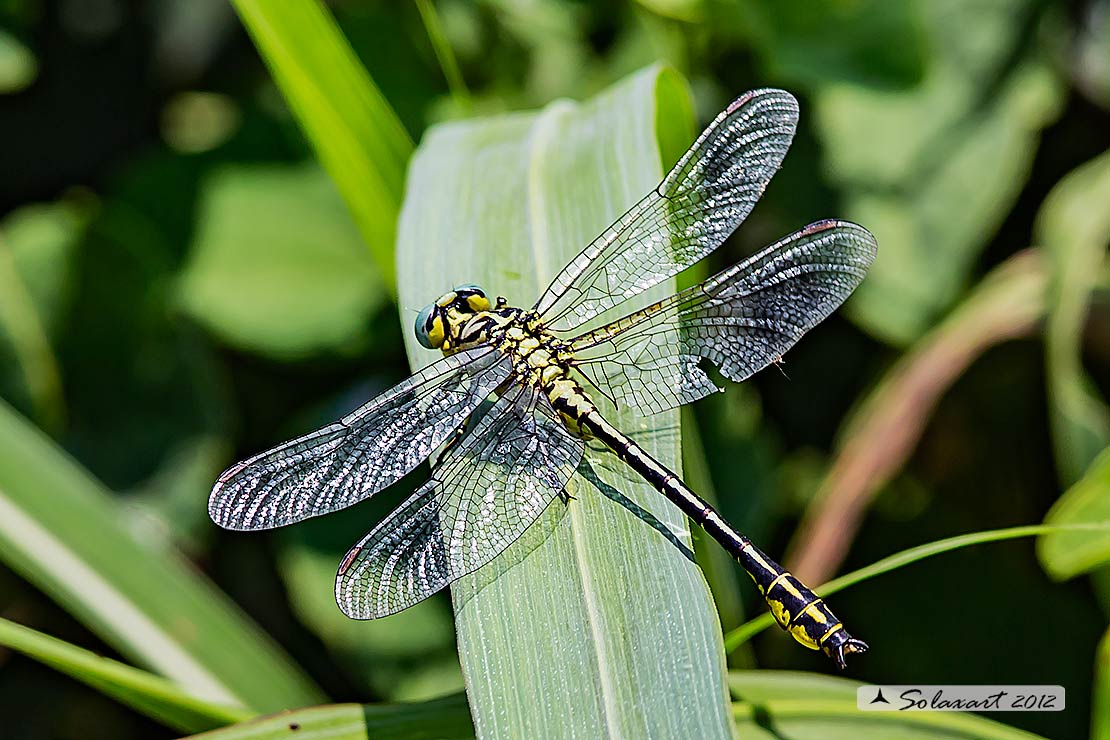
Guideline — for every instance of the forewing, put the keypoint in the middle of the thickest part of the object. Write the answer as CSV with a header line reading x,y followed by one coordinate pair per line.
x,y
741,319
362,453
697,205
485,494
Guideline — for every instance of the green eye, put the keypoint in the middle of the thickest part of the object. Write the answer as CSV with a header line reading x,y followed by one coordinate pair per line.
x,y
423,326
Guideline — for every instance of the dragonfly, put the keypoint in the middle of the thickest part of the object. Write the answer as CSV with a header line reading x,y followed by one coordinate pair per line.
x,y
509,408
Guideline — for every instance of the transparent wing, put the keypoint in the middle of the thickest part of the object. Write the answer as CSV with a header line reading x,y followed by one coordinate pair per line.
x,y
362,453
487,492
699,203
741,319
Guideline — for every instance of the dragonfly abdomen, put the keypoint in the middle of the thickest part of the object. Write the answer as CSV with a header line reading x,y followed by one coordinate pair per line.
x,y
797,609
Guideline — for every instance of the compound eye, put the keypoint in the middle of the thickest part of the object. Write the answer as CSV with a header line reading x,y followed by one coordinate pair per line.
x,y
424,323
469,289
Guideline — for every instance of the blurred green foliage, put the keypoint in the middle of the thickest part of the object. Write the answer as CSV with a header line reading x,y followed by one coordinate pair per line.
x,y
262,229
196,261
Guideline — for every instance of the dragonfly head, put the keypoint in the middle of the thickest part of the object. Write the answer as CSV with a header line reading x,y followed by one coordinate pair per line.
x,y
440,324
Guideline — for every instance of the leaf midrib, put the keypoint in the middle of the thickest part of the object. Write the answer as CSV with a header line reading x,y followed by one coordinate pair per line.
x,y
539,239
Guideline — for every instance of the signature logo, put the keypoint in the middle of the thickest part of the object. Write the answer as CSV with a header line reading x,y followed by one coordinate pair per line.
x,y
960,698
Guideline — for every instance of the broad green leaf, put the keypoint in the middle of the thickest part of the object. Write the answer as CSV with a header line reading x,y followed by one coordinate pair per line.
x,y
748,630
1068,553
36,246
803,706
276,265
357,136
443,719
152,695
932,171
64,533
1073,228
717,565
866,42
603,628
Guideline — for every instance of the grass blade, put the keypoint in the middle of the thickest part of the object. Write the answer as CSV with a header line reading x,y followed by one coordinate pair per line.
x,y
605,615
64,533
151,695
442,719
357,136
446,56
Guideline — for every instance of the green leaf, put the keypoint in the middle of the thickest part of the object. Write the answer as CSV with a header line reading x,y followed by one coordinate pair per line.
x,y
1066,554
152,695
717,565
933,171
357,136
36,246
866,42
64,533
1073,228
746,631
572,633
803,706
276,266
443,719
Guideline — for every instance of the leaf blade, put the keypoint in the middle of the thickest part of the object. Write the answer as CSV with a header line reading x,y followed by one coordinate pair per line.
x,y
574,619
64,533
152,695
441,719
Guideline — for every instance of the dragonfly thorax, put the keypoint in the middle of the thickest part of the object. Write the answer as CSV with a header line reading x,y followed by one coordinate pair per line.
x,y
464,318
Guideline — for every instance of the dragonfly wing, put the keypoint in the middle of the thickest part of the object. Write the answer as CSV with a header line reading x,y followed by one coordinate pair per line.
x,y
486,493
741,319
362,453
699,203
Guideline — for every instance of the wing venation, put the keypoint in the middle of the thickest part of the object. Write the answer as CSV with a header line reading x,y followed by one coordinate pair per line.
x,y
693,210
485,494
740,320
362,453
